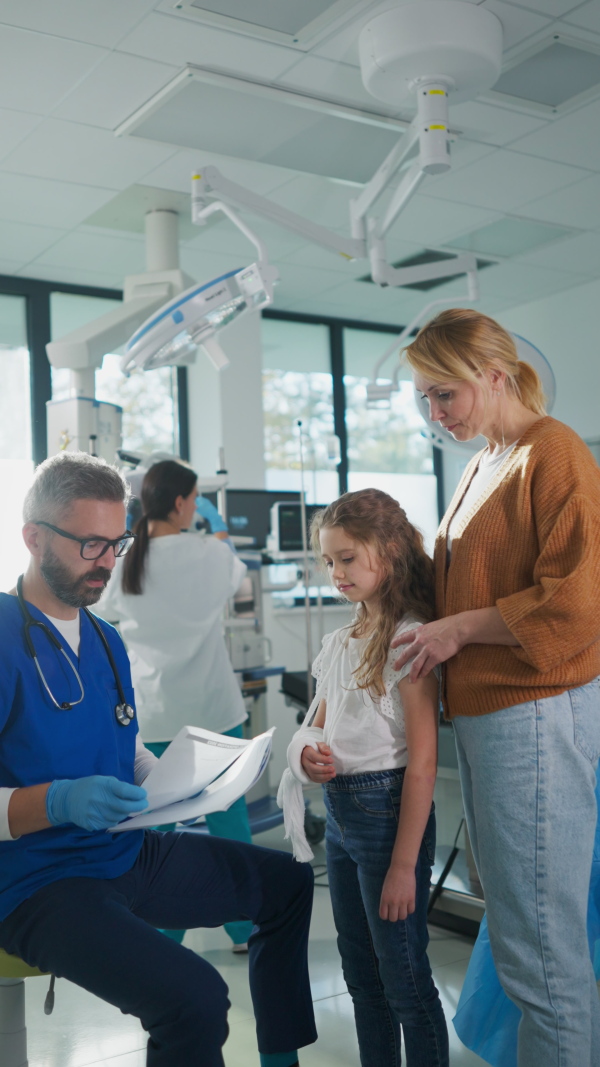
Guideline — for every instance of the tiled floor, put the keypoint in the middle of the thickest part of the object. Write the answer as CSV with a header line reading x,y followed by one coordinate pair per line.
x,y
86,1032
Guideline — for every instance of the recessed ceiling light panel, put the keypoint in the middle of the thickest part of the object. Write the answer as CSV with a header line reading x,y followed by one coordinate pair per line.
x,y
509,237
301,24
555,75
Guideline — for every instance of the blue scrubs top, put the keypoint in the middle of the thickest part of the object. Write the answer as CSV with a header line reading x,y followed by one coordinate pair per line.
x,y
39,742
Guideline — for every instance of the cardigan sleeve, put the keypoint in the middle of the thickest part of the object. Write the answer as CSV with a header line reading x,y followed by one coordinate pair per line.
x,y
558,616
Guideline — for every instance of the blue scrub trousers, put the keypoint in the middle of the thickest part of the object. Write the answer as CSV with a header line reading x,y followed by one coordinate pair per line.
x,y
233,824
103,934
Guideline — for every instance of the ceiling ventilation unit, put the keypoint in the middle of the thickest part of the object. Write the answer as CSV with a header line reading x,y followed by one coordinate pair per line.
x,y
300,23
554,76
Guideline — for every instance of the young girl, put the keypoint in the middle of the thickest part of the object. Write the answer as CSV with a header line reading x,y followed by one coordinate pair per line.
x,y
371,739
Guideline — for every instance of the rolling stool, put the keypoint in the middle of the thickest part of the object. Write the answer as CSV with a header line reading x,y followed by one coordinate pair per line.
x,y
13,1031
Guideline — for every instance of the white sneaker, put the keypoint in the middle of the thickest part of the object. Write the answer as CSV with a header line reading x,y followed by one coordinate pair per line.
x,y
240,949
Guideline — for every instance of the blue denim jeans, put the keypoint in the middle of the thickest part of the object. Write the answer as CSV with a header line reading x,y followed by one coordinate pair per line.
x,y
528,775
385,963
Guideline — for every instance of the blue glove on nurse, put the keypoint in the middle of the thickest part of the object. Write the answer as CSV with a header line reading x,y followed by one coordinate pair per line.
x,y
208,511
94,803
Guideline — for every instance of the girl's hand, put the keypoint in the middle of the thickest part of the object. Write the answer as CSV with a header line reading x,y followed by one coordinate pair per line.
x,y
429,645
318,766
398,893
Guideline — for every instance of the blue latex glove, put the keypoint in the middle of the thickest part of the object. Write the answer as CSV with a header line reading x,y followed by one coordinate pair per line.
x,y
94,803
208,511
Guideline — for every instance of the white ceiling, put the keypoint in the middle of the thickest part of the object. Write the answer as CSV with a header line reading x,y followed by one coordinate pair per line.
x,y
74,70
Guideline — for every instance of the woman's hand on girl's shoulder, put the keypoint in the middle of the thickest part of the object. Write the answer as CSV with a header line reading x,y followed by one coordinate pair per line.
x,y
429,645
318,766
398,893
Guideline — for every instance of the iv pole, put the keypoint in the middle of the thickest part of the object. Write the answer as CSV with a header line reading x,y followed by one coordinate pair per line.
x,y
309,677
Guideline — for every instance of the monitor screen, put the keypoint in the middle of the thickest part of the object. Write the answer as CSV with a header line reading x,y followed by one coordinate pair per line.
x,y
290,525
249,511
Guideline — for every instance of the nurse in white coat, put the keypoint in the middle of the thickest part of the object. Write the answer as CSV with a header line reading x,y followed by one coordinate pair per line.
x,y
168,601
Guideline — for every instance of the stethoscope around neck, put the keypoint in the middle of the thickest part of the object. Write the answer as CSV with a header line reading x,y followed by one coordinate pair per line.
x,y
124,713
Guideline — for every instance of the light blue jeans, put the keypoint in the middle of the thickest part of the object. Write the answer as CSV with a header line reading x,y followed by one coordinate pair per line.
x,y
528,775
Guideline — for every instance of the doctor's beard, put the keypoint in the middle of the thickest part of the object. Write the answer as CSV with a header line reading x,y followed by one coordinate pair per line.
x,y
67,587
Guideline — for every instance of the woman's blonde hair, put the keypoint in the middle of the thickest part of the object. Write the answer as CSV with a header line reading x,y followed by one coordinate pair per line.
x,y
376,520
461,344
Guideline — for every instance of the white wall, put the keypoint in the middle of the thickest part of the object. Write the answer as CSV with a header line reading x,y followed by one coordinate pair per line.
x,y
226,407
566,328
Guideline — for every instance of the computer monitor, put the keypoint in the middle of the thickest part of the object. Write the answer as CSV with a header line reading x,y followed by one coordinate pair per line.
x,y
286,527
249,511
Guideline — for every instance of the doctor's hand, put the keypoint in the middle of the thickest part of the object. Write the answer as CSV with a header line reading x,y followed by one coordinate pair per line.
x,y
94,803
209,512
428,645
318,766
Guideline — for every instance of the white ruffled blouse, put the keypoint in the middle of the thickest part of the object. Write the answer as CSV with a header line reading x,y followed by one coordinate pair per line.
x,y
364,733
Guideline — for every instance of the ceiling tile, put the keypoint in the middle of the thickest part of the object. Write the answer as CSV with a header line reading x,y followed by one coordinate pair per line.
x,y
100,22
430,222
586,16
518,23
40,200
552,8
580,254
170,39
318,199
93,251
19,241
505,179
36,71
11,266
309,255
463,152
91,156
14,128
204,264
115,88
176,172
492,125
578,205
519,281
572,139
72,275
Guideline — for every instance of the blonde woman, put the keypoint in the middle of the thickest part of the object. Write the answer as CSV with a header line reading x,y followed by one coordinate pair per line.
x,y
517,563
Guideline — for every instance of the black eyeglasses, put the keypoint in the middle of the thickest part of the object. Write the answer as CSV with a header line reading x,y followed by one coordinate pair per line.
x,y
94,547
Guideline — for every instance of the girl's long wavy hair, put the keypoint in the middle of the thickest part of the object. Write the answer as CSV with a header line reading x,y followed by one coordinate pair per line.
x,y
377,521
164,482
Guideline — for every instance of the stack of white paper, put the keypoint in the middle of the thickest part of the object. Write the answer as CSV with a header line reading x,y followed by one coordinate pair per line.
x,y
199,773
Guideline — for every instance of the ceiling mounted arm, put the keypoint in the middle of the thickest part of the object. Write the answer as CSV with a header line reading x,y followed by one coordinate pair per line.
x,y
210,183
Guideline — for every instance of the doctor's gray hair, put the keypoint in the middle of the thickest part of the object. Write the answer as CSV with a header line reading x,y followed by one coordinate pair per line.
x,y
63,479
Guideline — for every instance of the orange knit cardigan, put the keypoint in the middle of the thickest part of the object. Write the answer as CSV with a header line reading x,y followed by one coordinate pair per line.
x,y
530,546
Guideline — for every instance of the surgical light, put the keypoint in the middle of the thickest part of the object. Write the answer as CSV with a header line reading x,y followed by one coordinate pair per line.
x,y
191,320
172,336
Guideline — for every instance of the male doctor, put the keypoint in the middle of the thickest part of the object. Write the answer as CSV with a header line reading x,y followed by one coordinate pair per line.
x,y
85,904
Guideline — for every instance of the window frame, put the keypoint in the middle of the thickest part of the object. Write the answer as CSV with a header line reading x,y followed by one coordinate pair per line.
x,y
336,329
37,304
37,296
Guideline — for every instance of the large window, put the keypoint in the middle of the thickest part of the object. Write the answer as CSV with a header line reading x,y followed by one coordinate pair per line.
x,y
148,398
297,386
16,464
386,447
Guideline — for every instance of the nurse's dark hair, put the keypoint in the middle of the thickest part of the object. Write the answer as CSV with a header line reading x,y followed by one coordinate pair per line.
x,y
377,521
63,479
164,482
